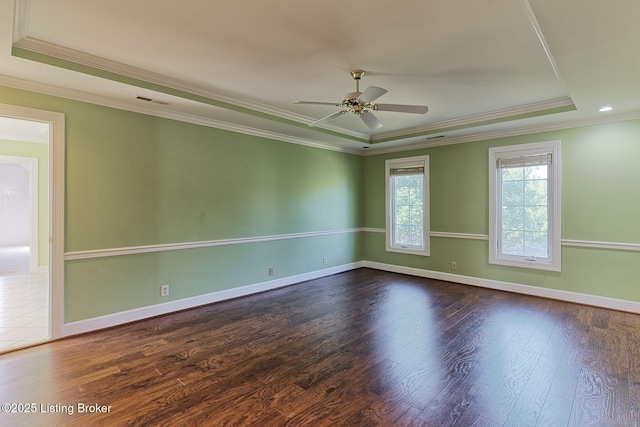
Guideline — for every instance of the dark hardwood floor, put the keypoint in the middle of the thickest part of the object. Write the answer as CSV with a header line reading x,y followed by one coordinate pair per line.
x,y
363,348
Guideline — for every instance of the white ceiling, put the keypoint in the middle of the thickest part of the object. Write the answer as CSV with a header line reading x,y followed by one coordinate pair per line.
x,y
484,67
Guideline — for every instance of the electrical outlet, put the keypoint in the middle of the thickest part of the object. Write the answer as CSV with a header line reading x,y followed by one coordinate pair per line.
x,y
454,265
270,271
325,261
164,290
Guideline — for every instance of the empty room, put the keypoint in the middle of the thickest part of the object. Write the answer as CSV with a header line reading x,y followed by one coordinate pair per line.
x,y
299,213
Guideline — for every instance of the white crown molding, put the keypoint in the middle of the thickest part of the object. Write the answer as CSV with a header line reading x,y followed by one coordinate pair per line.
x,y
478,118
38,46
22,40
505,133
161,112
81,58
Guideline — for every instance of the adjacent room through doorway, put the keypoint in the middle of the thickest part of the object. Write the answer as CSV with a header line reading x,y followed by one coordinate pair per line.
x,y
24,231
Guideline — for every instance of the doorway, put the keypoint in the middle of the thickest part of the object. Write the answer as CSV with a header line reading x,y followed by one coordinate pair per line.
x,y
19,210
30,216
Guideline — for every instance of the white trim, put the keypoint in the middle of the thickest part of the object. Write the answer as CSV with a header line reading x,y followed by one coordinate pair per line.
x,y
443,234
56,123
533,20
99,63
101,253
21,20
554,261
368,141
467,236
635,247
157,111
504,133
415,161
115,319
373,230
477,118
573,297
618,246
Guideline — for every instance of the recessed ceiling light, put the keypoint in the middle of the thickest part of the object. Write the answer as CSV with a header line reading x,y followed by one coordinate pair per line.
x,y
607,108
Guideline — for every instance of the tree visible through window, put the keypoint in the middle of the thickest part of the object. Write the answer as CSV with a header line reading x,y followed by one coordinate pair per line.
x,y
525,213
409,209
407,205
525,205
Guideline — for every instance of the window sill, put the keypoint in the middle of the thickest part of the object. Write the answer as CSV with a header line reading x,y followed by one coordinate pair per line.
x,y
408,251
521,263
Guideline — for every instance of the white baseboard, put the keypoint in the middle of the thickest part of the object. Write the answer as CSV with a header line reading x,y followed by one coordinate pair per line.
x,y
128,316
575,297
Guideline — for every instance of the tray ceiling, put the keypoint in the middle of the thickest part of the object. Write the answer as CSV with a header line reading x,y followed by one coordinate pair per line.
x,y
487,67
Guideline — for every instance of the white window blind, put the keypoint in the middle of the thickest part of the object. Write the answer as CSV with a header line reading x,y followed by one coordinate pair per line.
x,y
522,161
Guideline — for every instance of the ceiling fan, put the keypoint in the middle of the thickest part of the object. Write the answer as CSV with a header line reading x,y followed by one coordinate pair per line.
x,y
361,104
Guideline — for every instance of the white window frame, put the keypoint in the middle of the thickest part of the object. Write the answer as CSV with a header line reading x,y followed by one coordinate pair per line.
x,y
553,262
407,162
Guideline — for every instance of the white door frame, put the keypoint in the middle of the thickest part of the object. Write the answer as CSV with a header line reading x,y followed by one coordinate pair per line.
x,y
56,123
33,206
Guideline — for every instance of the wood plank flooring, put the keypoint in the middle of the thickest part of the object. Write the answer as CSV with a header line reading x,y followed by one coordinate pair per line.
x,y
362,348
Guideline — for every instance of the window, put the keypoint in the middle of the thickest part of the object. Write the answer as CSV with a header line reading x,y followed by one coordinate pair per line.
x,y
524,183
407,205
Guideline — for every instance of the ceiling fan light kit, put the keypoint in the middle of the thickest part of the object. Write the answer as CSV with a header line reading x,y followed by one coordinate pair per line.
x,y
362,105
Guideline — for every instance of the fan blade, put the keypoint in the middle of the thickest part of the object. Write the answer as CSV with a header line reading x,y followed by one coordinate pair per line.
x,y
371,93
370,120
327,118
317,103
401,108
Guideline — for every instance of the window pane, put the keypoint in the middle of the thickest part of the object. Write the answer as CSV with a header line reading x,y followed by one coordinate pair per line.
x,y
415,194
536,172
512,218
513,193
536,192
416,216
408,210
536,245
513,243
535,218
416,236
511,174
402,235
402,195
402,214
524,211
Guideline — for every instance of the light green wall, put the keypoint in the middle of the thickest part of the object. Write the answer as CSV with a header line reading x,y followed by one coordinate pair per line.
x,y
600,202
41,152
137,180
